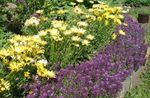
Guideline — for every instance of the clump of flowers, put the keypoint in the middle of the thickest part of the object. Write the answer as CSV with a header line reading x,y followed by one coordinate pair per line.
x,y
105,13
24,55
69,39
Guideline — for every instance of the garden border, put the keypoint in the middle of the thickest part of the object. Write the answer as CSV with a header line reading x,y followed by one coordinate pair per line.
x,y
134,80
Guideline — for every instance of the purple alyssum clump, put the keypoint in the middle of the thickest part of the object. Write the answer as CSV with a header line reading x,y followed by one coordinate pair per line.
x,y
103,74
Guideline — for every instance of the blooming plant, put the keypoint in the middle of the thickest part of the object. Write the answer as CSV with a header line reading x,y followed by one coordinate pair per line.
x,y
22,57
74,31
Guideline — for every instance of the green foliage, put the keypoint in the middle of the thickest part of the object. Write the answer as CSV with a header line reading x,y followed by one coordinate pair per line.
x,y
3,38
138,2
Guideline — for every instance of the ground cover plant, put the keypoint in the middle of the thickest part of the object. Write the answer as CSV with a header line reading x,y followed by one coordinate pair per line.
x,y
63,46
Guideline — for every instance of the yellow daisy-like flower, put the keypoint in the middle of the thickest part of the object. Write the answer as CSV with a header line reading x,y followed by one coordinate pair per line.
x,y
90,37
80,1
78,10
85,42
26,74
75,44
82,24
14,66
42,33
67,32
122,32
4,85
40,11
33,21
53,32
61,11
114,36
125,24
51,74
76,38
78,31
57,23
43,72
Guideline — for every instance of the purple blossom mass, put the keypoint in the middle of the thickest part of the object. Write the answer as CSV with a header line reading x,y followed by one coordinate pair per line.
x,y
102,76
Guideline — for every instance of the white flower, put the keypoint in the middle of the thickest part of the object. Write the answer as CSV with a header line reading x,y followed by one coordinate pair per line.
x,y
43,61
80,1
36,36
82,23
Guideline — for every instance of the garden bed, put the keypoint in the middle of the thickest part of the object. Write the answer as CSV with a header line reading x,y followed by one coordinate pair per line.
x,y
70,50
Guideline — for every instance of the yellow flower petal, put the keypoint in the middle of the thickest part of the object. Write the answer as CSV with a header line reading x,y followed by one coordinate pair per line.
x,y
114,36
122,32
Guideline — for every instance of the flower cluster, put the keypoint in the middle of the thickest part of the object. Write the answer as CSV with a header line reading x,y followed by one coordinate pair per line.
x,y
101,76
33,21
25,51
4,85
106,13
75,35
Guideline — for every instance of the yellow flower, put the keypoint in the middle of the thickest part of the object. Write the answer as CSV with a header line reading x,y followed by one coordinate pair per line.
x,y
53,32
50,74
33,21
85,42
114,36
99,18
122,32
61,11
26,74
73,3
82,24
43,72
14,66
4,85
118,21
78,10
67,32
42,33
75,44
125,24
91,2
4,53
120,16
80,1
57,23
106,22
63,27
90,37
76,38
78,31
39,11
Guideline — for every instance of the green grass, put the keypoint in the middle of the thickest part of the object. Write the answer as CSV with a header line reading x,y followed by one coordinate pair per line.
x,y
143,90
